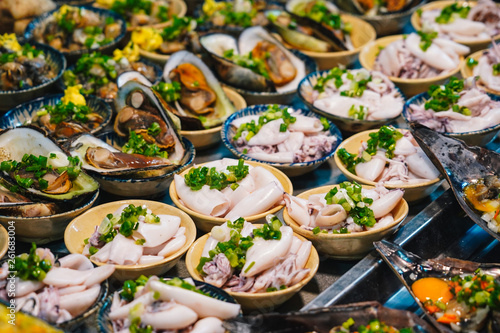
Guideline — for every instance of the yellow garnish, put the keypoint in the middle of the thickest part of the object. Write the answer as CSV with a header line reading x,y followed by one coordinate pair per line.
x,y
485,205
9,41
131,52
72,94
212,6
63,10
147,39
105,3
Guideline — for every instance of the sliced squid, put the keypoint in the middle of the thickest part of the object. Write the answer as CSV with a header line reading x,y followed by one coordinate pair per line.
x,y
155,234
257,202
172,246
298,209
305,124
269,134
208,325
175,317
330,215
77,303
386,203
372,169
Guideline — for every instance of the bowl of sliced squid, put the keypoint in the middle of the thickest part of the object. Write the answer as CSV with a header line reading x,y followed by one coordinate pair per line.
x,y
106,234
414,62
184,303
355,100
249,189
275,263
471,23
320,215
306,142
266,83
404,165
75,287
480,65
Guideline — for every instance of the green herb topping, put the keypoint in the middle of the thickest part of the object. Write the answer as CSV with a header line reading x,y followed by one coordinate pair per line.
x,y
179,25
320,13
27,50
248,61
129,7
270,230
357,87
471,62
496,69
31,266
138,145
196,178
170,92
374,326
334,74
477,291
65,112
449,13
426,39
445,97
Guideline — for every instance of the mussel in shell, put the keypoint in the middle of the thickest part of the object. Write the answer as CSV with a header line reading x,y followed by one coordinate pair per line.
x,y
199,101
457,295
255,62
140,110
15,204
39,169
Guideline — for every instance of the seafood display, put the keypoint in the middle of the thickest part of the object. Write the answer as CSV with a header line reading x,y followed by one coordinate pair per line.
x,y
346,209
97,73
22,67
373,8
168,305
54,289
484,196
237,13
255,62
282,135
390,156
487,68
194,92
75,28
357,94
135,235
463,21
229,188
420,55
456,107
269,258
457,295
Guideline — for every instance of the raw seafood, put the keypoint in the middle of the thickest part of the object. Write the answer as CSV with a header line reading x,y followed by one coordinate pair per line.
x,y
55,290
304,138
358,94
390,156
484,196
164,305
269,258
229,188
373,8
419,55
346,209
140,13
457,107
134,235
487,68
237,13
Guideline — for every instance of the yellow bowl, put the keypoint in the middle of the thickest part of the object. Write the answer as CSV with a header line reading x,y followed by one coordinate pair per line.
x,y
206,222
409,87
346,246
474,45
467,72
4,241
84,225
413,192
256,301
206,138
362,34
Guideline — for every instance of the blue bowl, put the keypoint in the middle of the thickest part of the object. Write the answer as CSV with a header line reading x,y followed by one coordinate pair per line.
x,y
473,138
345,124
104,323
72,56
24,113
56,60
290,169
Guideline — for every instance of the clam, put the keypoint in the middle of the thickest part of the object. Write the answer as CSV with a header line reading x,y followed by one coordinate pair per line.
x,y
18,142
411,268
202,102
284,69
460,164
138,109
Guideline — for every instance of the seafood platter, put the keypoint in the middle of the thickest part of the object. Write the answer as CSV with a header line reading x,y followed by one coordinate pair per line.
x,y
213,166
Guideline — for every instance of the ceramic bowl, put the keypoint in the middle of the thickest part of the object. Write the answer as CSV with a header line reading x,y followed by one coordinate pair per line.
x,y
45,229
345,124
467,72
386,24
409,87
141,187
474,45
207,138
473,138
24,113
346,246
254,301
83,226
206,222
12,98
413,192
4,241
290,169
72,56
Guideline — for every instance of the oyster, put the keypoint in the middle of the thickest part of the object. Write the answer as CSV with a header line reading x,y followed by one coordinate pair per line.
x,y
139,108
61,180
411,268
202,103
460,164
274,68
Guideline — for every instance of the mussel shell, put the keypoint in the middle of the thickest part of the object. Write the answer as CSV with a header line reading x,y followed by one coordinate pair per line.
x,y
14,143
459,163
